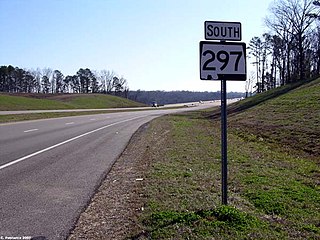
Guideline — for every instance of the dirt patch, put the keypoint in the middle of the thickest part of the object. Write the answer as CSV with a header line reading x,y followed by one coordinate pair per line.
x,y
113,211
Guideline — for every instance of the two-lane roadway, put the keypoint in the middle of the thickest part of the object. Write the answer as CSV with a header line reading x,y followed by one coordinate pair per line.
x,y
49,169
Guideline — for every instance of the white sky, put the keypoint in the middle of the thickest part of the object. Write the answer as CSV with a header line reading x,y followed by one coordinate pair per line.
x,y
154,44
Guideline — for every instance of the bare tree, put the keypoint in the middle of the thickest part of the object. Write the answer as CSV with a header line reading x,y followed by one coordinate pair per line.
x,y
255,47
282,39
106,79
37,79
315,15
120,86
125,89
46,80
291,21
249,82
316,48
266,51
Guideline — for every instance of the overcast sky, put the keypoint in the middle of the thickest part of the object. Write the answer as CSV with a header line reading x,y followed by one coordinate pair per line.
x,y
154,44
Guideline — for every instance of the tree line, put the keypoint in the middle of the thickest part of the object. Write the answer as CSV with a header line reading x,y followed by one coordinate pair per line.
x,y
290,51
17,80
169,97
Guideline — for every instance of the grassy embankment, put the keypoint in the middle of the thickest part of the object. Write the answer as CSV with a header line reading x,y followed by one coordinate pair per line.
x,y
58,102
273,157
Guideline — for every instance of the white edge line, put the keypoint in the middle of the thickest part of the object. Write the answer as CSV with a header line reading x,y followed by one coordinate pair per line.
x,y
31,130
64,142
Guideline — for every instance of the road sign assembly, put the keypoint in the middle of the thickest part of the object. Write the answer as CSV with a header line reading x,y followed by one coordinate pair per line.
x,y
223,61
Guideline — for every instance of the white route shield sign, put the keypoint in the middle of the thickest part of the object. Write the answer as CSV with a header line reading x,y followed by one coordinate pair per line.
x,y
223,61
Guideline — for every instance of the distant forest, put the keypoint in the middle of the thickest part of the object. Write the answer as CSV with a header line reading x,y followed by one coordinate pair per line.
x,y
17,80
164,97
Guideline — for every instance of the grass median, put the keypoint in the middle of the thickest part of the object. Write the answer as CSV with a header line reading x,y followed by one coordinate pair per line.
x,y
45,115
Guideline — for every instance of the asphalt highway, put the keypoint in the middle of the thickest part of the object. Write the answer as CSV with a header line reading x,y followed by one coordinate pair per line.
x,y
101,109
49,169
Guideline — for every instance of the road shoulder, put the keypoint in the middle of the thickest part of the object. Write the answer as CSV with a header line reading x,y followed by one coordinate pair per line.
x,y
113,211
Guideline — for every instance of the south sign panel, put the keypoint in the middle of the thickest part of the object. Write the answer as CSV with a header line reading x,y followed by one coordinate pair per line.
x,y
223,61
215,30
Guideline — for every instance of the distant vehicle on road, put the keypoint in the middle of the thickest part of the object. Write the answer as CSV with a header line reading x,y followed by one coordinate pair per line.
x,y
154,104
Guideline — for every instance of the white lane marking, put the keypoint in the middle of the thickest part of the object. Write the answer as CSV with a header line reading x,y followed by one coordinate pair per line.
x,y
92,119
69,123
31,130
64,142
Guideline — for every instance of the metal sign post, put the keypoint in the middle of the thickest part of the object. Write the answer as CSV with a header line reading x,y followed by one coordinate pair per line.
x,y
224,150
223,61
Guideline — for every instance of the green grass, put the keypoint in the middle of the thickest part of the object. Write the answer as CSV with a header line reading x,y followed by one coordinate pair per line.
x,y
102,101
62,101
292,119
271,94
273,185
45,115
12,103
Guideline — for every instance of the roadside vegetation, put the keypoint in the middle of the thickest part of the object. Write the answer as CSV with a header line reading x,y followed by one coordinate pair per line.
x,y
17,102
273,157
63,101
45,115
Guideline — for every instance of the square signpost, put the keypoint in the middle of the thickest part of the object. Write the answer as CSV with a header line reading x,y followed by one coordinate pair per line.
x,y
223,61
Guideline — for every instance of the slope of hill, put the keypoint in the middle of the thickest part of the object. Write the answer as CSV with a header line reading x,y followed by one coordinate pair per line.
x,y
62,101
291,120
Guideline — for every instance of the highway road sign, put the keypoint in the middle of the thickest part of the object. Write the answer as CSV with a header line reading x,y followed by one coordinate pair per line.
x,y
215,30
222,61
